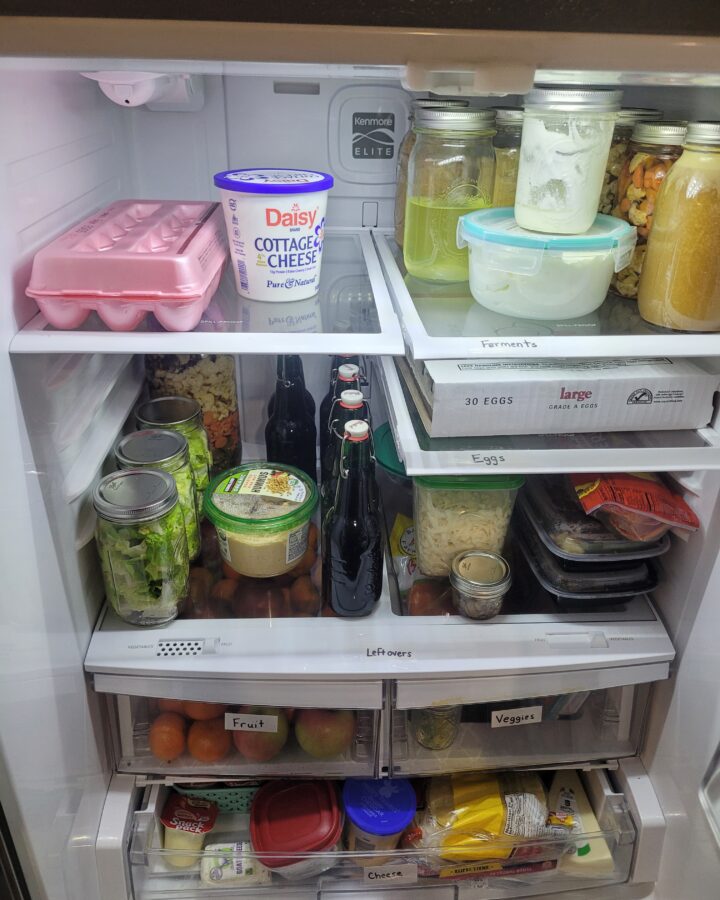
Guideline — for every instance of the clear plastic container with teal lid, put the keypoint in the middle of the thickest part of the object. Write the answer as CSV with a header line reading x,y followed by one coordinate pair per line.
x,y
159,448
457,513
261,512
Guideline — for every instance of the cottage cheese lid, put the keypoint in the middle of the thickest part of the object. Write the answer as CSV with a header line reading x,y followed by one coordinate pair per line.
x,y
273,181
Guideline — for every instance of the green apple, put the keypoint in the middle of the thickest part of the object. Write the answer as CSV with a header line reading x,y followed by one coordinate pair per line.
x,y
324,733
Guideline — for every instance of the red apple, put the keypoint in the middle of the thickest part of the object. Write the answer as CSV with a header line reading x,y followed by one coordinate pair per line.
x,y
324,733
262,746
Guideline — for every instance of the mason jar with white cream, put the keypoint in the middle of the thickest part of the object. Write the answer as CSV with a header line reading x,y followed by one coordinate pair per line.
x,y
565,143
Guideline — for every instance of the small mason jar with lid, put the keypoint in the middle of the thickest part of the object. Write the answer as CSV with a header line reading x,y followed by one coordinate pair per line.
x,y
680,283
653,149
564,149
628,117
141,541
184,415
158,448
480,580
508,122
404,151
450,173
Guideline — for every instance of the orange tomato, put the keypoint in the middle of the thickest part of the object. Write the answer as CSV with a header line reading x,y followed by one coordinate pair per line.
x,y
167,736
304,597
171,706
208,741
201,711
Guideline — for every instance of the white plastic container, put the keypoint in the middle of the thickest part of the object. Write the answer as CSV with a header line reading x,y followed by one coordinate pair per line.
x,y
563,153
542,276
275,221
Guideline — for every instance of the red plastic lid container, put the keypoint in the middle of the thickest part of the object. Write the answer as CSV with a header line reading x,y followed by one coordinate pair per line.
x,y
294,817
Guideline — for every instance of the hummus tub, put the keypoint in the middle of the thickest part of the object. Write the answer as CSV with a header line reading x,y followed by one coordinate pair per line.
x,y
261,512
275,221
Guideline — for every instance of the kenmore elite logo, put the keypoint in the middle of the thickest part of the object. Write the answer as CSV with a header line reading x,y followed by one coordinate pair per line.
x,y
373,135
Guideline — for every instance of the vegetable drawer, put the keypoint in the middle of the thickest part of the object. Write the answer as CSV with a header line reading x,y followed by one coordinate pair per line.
x,y
254,732
509,867
547,729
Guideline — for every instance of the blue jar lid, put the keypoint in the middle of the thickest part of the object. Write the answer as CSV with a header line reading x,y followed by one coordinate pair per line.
x,y
379,806
498,226
273,181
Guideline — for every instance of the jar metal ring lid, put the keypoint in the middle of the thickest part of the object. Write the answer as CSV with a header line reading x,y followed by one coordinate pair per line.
x,y
429,103
481,574
659,133
151,447
135,495
509,115
456,119
564,100
703,133
167,411
630,115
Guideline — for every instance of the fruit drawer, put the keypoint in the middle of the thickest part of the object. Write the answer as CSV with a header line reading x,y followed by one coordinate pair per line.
x,y
595,854
513,731
233,739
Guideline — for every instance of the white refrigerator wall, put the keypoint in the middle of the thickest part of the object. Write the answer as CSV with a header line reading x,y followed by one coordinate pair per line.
x,y
65,151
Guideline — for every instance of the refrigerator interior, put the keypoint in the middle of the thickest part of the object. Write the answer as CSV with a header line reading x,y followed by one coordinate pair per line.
x,y
68,150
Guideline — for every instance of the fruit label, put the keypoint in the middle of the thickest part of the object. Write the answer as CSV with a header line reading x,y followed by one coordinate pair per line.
x,y
407,873
504,718
250,722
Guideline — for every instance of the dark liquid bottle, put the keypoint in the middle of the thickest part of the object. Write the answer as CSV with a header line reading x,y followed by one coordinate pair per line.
x,y
293,371
348,379
351,405
290,434
352,564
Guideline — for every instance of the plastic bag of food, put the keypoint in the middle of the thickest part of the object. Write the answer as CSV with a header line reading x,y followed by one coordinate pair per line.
x,y
637,505
430,597
488,816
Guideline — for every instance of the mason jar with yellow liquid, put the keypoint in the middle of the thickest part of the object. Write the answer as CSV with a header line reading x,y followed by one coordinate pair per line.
x,y
680,281
451,172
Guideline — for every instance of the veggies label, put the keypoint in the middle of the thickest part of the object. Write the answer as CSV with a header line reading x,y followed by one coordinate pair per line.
x,y
504,718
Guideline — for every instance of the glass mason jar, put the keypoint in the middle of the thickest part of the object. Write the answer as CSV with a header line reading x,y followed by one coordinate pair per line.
x,y
184,415
509,122
451,172
158,448
210,379
680,284
627,118
404,150
435,727
653,149
564,149
140,536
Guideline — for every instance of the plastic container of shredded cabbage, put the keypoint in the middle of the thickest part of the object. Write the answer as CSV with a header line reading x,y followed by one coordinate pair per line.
x,y
453,514
261,512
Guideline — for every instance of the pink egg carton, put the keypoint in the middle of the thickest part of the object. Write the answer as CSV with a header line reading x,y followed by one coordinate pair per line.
x,y
132,258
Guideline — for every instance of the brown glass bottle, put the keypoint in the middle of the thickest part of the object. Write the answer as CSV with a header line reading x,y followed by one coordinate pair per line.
x,y
290,434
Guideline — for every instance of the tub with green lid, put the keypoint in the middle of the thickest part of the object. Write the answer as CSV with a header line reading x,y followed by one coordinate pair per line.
x,y
261,512
456,513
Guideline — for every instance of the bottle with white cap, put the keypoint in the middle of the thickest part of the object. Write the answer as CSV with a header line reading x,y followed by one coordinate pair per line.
x,y
348,379
352,535
351,405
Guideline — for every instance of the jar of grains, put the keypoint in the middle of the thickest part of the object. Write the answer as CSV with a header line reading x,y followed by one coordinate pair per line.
x,y
627,118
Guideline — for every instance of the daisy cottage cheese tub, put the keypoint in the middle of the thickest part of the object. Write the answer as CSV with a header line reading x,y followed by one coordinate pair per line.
x,y
275,220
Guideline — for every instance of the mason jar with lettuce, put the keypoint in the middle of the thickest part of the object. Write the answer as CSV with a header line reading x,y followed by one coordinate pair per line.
x,y
160,448
185,416
142,545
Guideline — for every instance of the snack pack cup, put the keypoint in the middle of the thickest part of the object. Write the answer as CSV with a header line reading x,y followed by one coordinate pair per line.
x,y
275,221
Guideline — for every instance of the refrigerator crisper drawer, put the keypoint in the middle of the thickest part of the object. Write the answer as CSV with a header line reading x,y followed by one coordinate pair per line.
x,y
556,729
247,736
521,867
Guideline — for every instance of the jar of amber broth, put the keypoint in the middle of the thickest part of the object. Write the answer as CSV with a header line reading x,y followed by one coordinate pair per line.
x,y
654,147
680,284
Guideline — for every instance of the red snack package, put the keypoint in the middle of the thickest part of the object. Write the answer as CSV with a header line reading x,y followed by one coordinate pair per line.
x,y
638,506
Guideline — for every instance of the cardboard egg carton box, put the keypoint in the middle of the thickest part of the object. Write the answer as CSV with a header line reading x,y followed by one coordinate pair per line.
x,y
477,398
